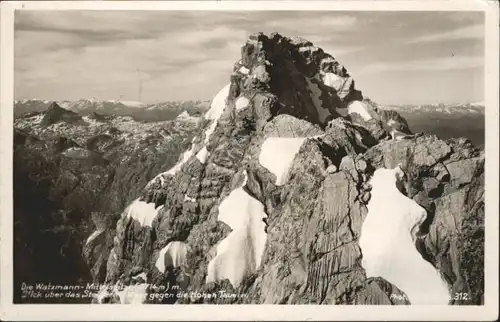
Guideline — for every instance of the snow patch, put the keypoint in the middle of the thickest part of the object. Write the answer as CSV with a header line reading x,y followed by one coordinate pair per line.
x,y
277,155
359,107
37,119
174,254
214,113
130,294
218,104
93,236
327,60
143,212
184,115
141,275
241,103
387,244
176,168
133,294
308,48
244,70
240,253
209,131
397,135
188,198
202,155
332,80
391,122
91,121
103,292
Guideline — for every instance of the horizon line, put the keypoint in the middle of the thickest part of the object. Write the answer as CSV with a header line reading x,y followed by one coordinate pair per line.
x,y
146,103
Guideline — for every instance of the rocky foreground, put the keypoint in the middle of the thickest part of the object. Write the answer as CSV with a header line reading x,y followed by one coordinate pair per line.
x,y
72,172
300,190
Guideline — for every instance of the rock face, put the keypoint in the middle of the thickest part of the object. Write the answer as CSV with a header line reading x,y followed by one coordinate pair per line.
x,y
268,204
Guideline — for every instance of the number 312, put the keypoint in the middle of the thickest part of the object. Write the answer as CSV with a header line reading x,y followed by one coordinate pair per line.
x,y
461,297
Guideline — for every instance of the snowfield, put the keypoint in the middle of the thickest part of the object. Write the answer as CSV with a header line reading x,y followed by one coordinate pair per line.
x,y
387,244
277,155
218,104
391,122
308,48
240,253
244,70
176,168
133,294
214,113
202,155
241,103
397,135
143,212
93,236
174,254
359,107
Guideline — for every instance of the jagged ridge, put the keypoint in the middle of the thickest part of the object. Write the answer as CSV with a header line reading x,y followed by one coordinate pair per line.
x,y
295,143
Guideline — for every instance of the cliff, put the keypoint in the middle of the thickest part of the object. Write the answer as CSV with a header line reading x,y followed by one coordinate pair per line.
x,y
299,190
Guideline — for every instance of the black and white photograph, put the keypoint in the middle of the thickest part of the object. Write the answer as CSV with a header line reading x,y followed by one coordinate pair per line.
x,y
291,157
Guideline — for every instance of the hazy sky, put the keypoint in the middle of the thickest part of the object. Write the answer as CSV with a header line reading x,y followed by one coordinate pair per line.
x,y
394,57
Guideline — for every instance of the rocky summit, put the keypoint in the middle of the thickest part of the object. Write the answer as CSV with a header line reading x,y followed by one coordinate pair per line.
x,y
299,190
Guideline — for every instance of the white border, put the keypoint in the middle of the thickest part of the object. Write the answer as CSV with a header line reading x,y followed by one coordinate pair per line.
x,y
254,312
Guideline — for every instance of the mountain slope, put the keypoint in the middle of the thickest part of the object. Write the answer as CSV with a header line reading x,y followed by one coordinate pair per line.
x,y
278,200
74,173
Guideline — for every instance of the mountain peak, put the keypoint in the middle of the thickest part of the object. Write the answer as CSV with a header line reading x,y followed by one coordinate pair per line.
x,y
272,198
54,106
295,77
56,113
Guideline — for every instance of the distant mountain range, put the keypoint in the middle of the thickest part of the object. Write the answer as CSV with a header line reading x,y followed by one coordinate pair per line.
x,y
87,106
445,120
464,108
163,111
